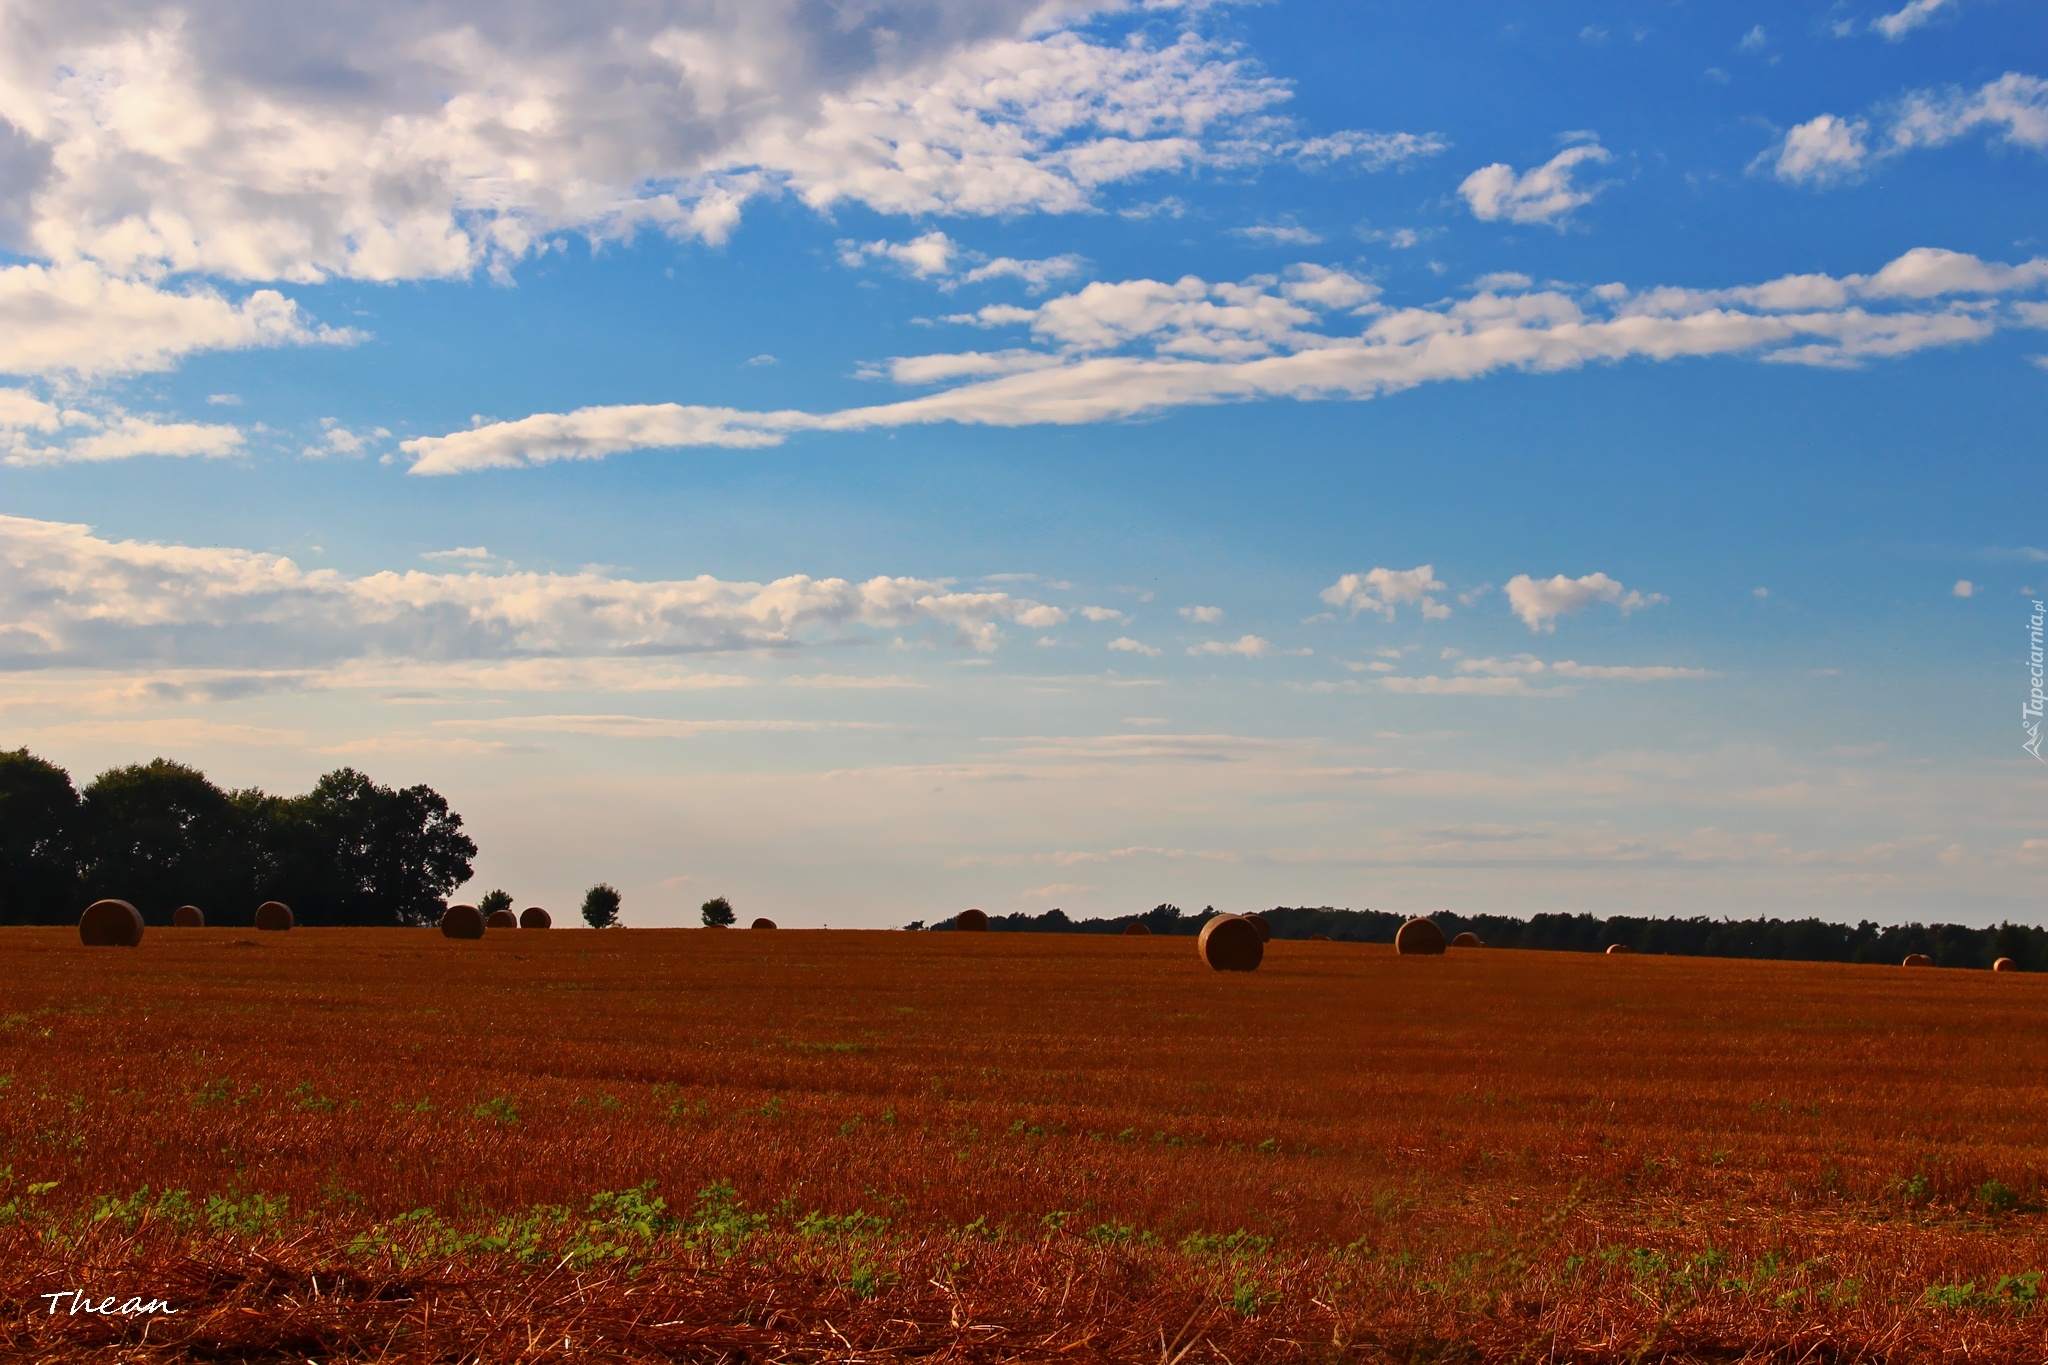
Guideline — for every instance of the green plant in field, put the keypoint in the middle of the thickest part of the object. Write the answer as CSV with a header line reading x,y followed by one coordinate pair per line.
x,y
24,1207
1998,1198
1225,1245
721,1222
1246,1300
857,1224
500,1109
307,1099
1121,1235
246,1215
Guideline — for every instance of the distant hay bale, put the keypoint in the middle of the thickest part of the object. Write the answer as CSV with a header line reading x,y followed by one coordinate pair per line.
x,y
462,921
502,919
1468,939
2005,964
1231,943
1917,960
971,922
1318,938
1618,949
533,917
1419,938
274,915
1258,922
762,924
1137,928
110,924
188,917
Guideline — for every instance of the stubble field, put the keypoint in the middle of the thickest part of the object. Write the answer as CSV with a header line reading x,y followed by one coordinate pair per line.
x,y
809,1145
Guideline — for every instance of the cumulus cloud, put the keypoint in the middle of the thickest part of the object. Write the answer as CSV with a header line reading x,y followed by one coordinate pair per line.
x,y
1540,601
1830,150
69,598
1130,646
1899,23
1112,351
1202,615
1542,195
36,432
1246,646
1382,590
936,256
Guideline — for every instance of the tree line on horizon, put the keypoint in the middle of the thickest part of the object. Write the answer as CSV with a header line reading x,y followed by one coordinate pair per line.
x,y
1792,940
160,835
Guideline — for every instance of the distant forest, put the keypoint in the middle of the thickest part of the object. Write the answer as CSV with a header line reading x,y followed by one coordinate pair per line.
x,y
1797,940
160,835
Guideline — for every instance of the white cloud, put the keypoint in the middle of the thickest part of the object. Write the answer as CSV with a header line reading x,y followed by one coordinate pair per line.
x,y
460,554
1287,233
1246,646
71,599
1542,195
1103,614
28,425
1964,588
936,256
1370,151
1382,590
77,320
1127,644
1539,602
336,439
1524,665
1756,40
1431,686
1899,23
1202,615
1829,150
1113,351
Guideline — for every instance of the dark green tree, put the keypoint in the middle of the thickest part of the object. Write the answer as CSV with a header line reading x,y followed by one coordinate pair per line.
x,y
493,901
354,852
601,906
718,913
38,841
160,835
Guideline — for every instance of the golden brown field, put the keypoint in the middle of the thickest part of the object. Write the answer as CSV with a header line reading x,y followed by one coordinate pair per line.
x,y
653,1145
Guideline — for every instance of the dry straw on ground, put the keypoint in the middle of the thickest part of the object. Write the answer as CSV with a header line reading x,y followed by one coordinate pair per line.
x,y
762,923
533,917
1419,938
188,917
1467,939
502,919
1917,960
2005,964
1258,922
462,921
274,915
1231,943
971,922
1618,949
1137,928
110,924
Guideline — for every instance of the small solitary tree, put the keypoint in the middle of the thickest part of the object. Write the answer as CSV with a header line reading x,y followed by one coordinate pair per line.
x,y
493,901
601,906
718,913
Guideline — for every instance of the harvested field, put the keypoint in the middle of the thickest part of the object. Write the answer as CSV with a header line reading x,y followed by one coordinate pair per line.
x,y
644,1145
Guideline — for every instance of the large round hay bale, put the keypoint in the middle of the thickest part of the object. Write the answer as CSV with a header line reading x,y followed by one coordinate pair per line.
x,y
763,923
1468,939
1917,960
533,917
2005,964
1258,922
188,917
1618,949
502,919
110,924
1419,938
1231,943
1137,928
971,922
1318,938
274,915
462,921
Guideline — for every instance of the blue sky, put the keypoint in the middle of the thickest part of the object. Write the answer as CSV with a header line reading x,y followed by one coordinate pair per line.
x,y
870,460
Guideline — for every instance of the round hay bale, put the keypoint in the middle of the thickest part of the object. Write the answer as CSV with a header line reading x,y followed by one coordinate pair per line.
x,y
110,924
1258,922
274,915
502,919
1917,960
1617,949
188,917
2005,964
1137,928
1419,938
971,922
1318,938
763,923
1468,939
1231,943
462,921
533,917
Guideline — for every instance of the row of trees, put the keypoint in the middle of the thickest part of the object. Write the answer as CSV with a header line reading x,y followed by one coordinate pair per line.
x,y
160,835
1802,940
